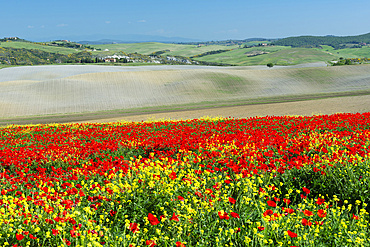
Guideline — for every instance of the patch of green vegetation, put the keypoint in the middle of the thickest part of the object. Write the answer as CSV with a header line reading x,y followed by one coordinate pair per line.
x,y
149,48
225,82
38,46
255,43
278,55
320,75
15,56
316,41
353,52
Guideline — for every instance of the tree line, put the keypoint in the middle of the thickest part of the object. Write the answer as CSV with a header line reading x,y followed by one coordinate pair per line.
x,y
315,41
21,56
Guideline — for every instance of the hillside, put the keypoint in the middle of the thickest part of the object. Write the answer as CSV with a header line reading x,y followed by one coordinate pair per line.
x,y
278,55
253,52
68,89
315,41
46,47
21,56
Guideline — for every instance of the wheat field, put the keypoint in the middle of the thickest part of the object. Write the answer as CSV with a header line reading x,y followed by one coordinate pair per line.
x,y
64,89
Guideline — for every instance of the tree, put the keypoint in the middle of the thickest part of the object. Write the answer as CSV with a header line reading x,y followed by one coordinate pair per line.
x,y
270,65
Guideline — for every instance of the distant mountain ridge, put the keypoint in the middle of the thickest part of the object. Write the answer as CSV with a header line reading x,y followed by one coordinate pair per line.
x,y
133,38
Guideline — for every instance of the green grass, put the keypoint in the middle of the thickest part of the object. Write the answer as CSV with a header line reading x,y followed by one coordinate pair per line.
x,y
279,55
225,82
46,48
347,52
150,47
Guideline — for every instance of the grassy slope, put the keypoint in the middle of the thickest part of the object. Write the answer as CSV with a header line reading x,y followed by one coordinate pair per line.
x,y
279,55
150,47
348,52
46,48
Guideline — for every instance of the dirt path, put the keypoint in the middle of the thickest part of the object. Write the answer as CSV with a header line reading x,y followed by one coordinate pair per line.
x,y
351,104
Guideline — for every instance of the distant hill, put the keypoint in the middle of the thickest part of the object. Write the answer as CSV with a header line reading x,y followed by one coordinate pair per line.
x,y
334,41
136,40
228,42
15,56
131,38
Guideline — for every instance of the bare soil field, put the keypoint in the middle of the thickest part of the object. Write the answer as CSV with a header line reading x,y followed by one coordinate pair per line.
x,y
79,93
352,104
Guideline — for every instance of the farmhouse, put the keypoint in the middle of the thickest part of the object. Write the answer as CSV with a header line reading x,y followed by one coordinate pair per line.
x,y
110,60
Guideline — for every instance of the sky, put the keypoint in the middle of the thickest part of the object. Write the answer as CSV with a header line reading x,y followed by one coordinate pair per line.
x,y
42,20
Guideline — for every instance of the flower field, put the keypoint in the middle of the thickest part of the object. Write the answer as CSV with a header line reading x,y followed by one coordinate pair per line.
x,y
264,181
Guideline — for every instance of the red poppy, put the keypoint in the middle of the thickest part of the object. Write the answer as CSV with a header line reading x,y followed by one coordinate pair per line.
x,y
305,190
287,201
179,244
288,210
134,227
153,220
172,175
320,201
235,215
321,213
268,212
232,200
223,216
55,232
49,221
197,193
180,198
307,213
67,242
355,217
306,222
260,228
19,236
271,204
175,217
151,243
32,237
292,234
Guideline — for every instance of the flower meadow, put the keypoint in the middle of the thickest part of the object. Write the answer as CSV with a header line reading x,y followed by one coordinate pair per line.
x,y
263,181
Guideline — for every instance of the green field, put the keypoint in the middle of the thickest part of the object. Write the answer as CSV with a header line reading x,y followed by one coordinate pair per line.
x,y
259,55
34,46
347,52
279,55
150,47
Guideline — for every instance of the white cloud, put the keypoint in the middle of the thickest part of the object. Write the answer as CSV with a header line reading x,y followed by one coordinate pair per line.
x,y
107,22
29,26
141,21
43,26
62,25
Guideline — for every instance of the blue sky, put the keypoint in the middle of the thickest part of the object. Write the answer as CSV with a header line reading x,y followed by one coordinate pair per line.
x,y
195,19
